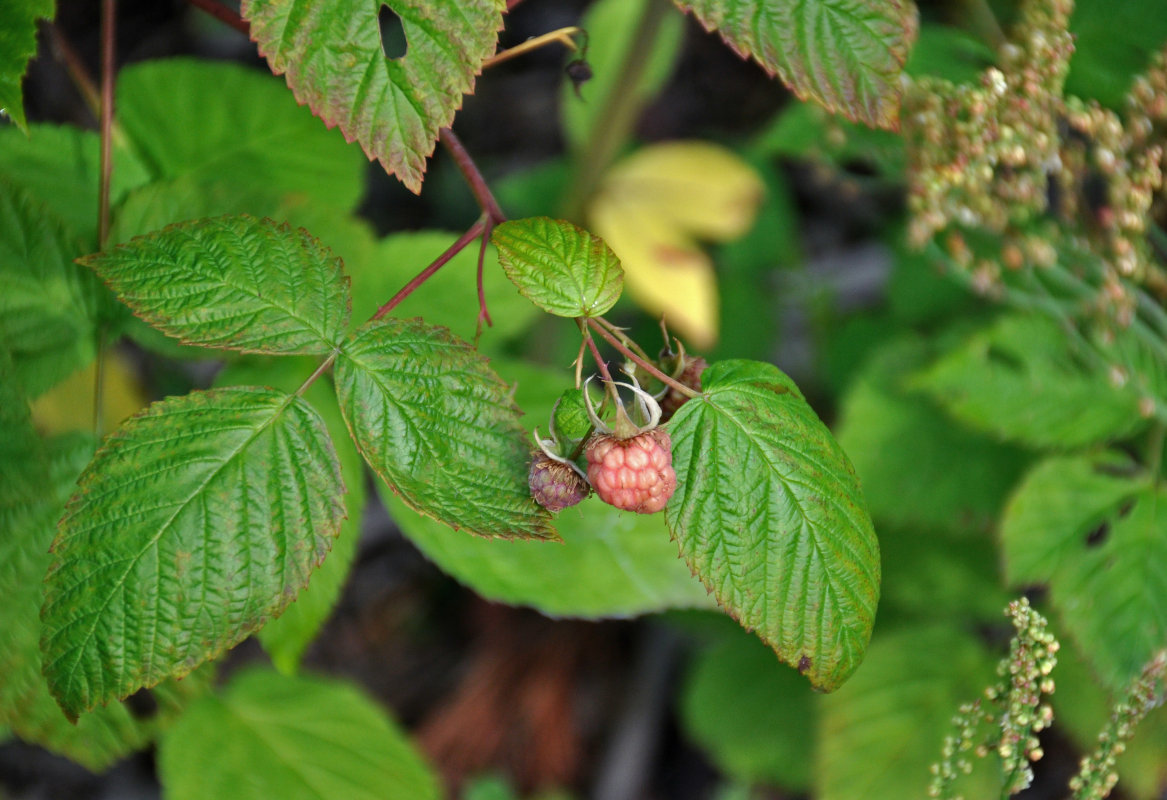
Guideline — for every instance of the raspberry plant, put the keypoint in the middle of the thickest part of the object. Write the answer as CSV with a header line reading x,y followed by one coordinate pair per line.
x,y
211,217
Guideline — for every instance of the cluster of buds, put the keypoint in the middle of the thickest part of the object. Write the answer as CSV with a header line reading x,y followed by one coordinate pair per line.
x,y
629,464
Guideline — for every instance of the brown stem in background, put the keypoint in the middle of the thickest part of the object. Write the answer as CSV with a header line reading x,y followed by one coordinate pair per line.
x,y
473,176
476,230
223,14
108,44
77,73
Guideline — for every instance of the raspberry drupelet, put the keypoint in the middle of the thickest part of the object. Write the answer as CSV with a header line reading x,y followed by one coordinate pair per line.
x,y
634,474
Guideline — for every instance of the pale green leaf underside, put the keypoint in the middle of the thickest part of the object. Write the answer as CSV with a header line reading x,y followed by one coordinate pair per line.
x,y
559,267
294,738
1021,379
879,734
331,53
198,520
18,20
48,304
436,424
234,282
769,514
1095,536
217,121
610,564
846,54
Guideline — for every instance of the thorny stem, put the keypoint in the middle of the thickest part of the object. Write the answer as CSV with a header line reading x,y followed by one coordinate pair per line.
x,y
476,230
642,362
223,14
473,176
600,363
562,35
617,115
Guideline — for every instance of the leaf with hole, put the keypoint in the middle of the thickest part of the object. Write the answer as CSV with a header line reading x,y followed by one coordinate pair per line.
x,y
559,267
235,282
438,426
769,514
198,520
333,58
846,54
296,738
1090,527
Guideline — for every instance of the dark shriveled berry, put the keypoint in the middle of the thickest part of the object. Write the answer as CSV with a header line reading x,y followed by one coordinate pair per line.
x,y
554,485
689,376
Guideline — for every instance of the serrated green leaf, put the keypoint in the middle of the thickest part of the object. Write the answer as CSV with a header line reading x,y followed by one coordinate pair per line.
x,y
236,282
198,520
48,308
559,267
755,716
570,417
920,468
880,733
215,121
1021,379
450,297
1091,527
287,637
769,514
110,733
60,165
393,107
610,563
436,424
846,54
611,26
18,20
295,738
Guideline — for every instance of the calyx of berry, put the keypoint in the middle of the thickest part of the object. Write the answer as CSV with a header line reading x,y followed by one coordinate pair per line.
x,y
647,409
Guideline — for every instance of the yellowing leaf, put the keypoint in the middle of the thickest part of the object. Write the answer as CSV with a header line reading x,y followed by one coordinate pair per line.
x,y
654,206
68,406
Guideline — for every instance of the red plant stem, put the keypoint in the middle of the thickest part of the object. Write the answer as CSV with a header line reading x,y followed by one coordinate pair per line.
x,y
223,14
476,230
76,70
512,3
473,177
483,311
108,43
649,368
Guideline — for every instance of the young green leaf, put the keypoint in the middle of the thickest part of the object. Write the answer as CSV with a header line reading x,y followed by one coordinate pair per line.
x,y
235,282
222,502
436,424
48,308
223,122
1091,527
110,733
769,514
559,267
393,107
1021,379
846,54
295,738
18,20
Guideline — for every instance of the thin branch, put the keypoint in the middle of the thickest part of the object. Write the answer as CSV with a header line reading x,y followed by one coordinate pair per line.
x,y
320,370
600,362
561,35
641,362
473,176
223,14
108,43
483,311
476,230
619,334
76,69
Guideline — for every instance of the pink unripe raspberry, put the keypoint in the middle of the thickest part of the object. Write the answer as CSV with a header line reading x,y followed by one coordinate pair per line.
x,y
554,485
635,474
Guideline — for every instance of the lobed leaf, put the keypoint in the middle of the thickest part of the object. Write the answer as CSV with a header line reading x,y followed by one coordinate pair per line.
x,y
296,738
559,267
769,514
234,282
197,521
332,55
18,20
846,54
1090,527
49,305
437,425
